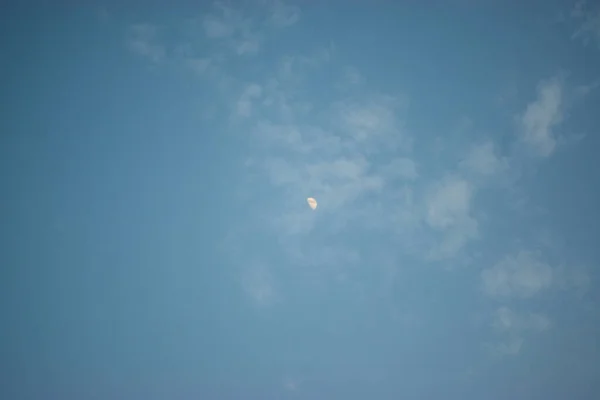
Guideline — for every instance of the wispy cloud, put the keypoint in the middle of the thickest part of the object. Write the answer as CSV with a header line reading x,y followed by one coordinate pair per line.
x,y
244,34
335,162
525,275
215,27
284,15
250,94
541,117
522,275
143,40
258,283
334,167
352,76
513,327
402,168
448,212
375,121
482,159
519,279
449,200
449,203
357,161
349,152
588,30
350,147
230,30
506,320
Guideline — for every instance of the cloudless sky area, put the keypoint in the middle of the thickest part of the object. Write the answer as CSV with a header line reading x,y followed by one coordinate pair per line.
x,y
156,241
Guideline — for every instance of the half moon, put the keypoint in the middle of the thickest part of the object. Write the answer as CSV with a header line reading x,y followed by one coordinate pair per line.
x,y
312,203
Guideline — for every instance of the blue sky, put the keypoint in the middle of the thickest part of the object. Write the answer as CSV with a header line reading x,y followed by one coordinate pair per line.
x,y
157,243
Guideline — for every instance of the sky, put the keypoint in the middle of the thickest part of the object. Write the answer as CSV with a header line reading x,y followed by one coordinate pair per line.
x,y
155,162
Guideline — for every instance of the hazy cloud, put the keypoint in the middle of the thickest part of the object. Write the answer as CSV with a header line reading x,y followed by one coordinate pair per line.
x,y
588,30
541,117
513,327
448,211
523,275
352,150
218,28
506,320
258,284
250,94
284,15
143,40
401,168
482,159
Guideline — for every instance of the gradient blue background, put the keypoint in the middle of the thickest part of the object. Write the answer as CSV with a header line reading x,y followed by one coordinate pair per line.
x,y
156,243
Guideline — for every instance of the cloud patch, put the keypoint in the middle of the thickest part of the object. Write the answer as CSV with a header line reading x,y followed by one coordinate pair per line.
x,y
244,34
284,15
250,94
143,40
538,122
396,188
258,284
513,327
449,212
374,122
525,275
588,30
522,276
483,160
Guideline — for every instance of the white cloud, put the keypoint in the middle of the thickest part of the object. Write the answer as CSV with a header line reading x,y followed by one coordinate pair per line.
x,y
198,65
291,383
509,347
354,155
294,69
482,159
352,76
350,79
242,34
523,275
574,278
103,14
578,10
402,168
336,182
297,139
541,117
233,32
284,15
217,28
506,320
231,28
143,40
374,120
514,327
327,161
344,163
258,284
585,89
449,202
342,180
247,44
448,211
589,27
190,58
249,95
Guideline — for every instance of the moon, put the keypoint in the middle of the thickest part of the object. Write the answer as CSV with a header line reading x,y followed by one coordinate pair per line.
x,y
312,203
